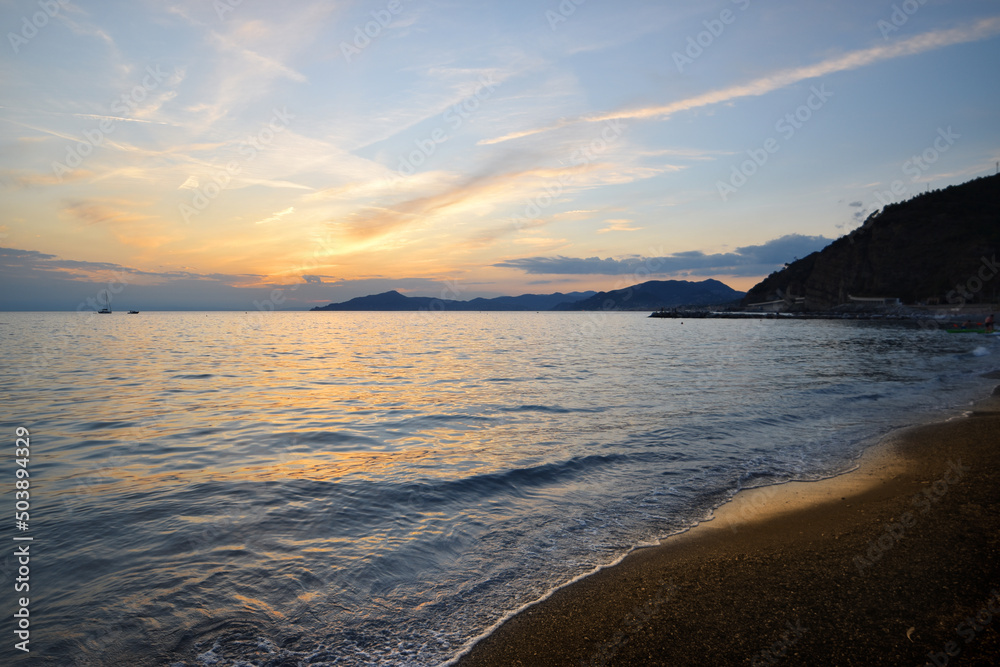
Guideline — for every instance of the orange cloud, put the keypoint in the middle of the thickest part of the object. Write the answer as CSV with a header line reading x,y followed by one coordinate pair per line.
x,y
23,178
94,213
120,218
618,226
484,191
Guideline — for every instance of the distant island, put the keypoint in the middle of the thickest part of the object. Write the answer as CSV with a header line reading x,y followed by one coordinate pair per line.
x,y
656,294
393,300
653,294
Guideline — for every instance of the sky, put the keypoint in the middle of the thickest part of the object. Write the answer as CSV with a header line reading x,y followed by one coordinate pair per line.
x,y
243,154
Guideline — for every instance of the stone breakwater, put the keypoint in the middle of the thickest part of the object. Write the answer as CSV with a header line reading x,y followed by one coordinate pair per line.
x,y
924,318
724,315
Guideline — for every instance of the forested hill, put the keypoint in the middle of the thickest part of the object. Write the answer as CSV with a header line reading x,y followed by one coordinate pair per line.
x,y
928,248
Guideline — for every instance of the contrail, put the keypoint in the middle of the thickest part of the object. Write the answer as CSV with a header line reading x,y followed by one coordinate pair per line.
x,y
982,29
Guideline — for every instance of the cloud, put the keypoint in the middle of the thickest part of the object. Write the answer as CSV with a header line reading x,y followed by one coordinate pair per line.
x,y
481,192
439,89
24,178
13,254
688,153
94,212
504,183
85,28
120,218
539,241
929,41
251,55
745,261
35,263
41,281
275,217
261,63
91,116
618,226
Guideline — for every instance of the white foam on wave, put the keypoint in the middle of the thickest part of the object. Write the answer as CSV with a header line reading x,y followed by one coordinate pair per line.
x,y
210,657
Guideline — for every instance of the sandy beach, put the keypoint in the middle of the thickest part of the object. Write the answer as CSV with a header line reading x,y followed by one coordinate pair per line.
x,y
893,564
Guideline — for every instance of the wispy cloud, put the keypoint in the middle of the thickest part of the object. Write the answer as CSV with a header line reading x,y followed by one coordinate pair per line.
x,y
121,218
258,61
484,192
436,92
23,178
251,52
541,242
618,226
275,217
94,213
95,116
930,41
81,25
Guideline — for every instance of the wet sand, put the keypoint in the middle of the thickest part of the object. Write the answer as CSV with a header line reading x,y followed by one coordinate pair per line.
x,y
897,563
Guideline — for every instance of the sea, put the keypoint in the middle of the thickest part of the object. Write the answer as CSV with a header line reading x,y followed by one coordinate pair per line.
x,y
329,488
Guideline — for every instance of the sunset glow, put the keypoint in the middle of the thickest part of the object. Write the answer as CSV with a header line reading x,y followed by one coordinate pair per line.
x,y
199,155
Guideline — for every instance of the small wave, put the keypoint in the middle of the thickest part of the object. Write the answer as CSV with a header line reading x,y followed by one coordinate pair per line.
x,y
756,478
200,376
434,420
327,437
548,408
420,495
189,435
867,397
100,425
518,478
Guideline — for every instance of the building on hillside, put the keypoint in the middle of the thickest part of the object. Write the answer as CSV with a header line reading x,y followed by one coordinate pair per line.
x,y
874,301
779,305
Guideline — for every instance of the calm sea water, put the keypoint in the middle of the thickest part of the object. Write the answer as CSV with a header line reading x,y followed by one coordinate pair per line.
x,y
382,488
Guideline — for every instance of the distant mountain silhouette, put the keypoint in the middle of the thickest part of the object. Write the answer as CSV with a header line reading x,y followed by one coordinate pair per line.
x,y
394,301
656,294
931,248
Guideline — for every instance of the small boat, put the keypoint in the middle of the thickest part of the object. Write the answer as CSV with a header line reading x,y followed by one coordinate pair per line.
x,y
980,330
133,312
107,305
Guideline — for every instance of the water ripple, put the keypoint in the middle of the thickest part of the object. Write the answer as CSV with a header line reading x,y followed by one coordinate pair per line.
x,y
377,489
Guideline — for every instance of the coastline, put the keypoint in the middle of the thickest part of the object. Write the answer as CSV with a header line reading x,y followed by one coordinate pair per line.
x,y
890,564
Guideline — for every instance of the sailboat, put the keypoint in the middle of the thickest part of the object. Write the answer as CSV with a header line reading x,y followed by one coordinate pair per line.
x,y
107,305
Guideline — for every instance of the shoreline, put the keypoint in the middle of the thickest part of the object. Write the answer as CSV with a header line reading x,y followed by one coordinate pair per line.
x,y
884,564
926,319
